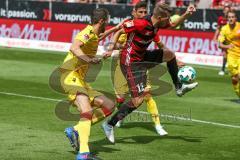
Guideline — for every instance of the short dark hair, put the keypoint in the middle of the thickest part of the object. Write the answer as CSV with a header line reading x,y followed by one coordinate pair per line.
x,y
98,14
140,4
162,10
232,11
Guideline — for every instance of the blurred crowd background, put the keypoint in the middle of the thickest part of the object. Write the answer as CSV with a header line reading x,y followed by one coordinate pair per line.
x,y
218,4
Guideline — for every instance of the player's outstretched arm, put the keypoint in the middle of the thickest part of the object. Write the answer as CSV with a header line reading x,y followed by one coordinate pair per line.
x,y
108,32
190,10
77,51
113,43
111,30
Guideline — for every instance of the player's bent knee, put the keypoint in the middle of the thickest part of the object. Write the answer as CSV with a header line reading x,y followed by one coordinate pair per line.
x,y
147,96
104,102
82,103
168,55
137,101
98,101
110,105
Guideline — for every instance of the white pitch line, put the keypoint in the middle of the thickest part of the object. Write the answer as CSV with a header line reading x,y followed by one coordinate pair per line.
x,y
142,112
28,96
193,120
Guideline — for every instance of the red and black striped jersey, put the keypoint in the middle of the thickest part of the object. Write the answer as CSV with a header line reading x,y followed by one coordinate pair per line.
x,y
140,34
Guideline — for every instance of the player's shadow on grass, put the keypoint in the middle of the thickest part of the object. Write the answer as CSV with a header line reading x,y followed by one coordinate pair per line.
x,y
233,100
102,145
94,154
148,139
145,139
146,125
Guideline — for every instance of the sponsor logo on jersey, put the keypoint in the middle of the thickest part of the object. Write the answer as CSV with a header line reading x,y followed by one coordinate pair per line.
x,y
129,24
86,37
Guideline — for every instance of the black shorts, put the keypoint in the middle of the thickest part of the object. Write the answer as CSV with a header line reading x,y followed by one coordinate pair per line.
x,y
153,58
136,76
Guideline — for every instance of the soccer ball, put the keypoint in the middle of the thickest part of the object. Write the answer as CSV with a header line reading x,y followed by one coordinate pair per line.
x,y
187,74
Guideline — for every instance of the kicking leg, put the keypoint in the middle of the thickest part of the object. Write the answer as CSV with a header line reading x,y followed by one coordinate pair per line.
x,y
171,60
166,55
125,109
119,100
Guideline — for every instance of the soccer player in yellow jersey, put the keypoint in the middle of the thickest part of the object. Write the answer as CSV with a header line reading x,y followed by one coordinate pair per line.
x,y
73,73
229,39
120,83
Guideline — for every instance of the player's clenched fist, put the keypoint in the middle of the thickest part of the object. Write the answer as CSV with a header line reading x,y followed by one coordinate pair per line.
x,y
191,9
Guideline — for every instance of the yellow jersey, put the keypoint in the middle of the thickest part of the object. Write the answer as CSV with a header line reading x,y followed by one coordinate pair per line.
x,y
90,41
122,39
231,36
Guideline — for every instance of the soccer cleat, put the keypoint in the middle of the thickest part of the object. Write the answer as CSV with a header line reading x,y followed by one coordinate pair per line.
x,y
108,130
160,130
85,156
186,88
221,73
72,136
119,123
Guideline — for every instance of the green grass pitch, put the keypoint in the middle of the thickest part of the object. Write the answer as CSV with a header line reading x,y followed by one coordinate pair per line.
x,y
30,129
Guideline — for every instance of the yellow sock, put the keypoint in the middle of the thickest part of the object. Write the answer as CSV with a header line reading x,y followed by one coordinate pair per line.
x,y
236,88
83,127
152,109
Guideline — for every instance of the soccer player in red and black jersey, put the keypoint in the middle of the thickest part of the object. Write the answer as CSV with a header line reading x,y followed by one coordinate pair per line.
x,y
222,20
135,60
